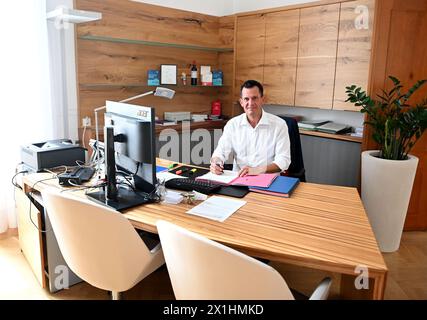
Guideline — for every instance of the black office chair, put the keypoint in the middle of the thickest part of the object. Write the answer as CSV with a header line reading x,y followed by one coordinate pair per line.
x,y
296,169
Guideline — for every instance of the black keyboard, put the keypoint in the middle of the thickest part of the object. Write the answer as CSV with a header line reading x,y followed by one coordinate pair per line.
x,y
77,176
187,184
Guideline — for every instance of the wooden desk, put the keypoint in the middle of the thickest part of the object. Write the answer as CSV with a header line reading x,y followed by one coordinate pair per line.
x,y
321,226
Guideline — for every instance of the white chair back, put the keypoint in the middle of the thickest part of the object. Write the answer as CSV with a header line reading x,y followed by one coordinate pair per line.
x,y
200,268
99,244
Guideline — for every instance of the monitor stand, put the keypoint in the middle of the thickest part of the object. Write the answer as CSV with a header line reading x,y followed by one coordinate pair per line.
x,y
126,198
115,196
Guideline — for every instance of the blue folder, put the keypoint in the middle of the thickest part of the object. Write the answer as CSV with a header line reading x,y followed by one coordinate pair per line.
x,y
282,186
160,169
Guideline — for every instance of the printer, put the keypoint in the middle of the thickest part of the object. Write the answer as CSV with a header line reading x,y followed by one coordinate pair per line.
x,y
50,154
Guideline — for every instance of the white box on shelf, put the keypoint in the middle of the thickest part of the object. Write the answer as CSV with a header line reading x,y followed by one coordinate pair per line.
x,y
177,116
205,70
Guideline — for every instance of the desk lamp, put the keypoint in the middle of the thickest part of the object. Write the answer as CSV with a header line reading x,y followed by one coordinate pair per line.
x,y
159,92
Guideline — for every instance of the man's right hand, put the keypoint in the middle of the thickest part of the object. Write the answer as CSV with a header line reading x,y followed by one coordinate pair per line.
x,y
217,166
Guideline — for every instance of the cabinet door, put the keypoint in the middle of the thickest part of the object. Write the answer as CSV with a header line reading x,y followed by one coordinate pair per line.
x,y
354,50
30,239
250,39
280,63
317,51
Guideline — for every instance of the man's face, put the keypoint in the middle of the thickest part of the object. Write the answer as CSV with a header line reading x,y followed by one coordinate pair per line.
x,y
251,102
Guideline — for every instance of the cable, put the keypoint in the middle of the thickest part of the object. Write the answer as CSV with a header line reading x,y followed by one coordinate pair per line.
x,y
30,196
14,176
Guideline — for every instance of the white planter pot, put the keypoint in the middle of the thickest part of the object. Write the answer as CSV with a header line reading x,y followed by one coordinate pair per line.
x,y
386,190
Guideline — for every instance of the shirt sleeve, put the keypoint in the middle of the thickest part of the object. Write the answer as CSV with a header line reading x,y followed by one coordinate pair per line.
x,y
282,155
224,147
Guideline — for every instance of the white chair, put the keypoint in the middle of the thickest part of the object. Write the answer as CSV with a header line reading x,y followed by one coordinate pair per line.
x,y
99,244
203,269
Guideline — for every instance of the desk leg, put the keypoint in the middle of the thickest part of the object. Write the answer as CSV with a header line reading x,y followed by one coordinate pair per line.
x,y
375,290
379,286
349,290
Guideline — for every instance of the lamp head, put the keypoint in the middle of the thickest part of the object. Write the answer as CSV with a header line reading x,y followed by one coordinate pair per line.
x,y
164,92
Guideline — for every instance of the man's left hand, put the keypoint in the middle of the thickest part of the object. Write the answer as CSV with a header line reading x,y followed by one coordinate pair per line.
x,y
249,171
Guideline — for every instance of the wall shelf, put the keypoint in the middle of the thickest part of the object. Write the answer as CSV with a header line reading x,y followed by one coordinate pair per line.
x,y
141,85
153,43
344,137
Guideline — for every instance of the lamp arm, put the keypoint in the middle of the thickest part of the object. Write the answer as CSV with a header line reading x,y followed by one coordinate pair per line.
x,y
138,96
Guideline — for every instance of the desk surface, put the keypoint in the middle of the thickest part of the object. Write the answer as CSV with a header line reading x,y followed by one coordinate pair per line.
x,y
320,226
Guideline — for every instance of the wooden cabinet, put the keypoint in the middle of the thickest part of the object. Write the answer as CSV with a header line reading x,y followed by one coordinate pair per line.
x,y
317,50
306,57
354,49
249,50
280,62
30,239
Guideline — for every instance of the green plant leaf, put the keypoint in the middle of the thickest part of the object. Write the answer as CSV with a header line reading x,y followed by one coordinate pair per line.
x,y
395,80
396,125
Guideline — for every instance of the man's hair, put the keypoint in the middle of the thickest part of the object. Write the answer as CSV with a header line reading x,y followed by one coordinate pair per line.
x,y
250,84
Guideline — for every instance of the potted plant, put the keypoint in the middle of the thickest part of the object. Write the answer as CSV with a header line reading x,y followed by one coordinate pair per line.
x,y
388,173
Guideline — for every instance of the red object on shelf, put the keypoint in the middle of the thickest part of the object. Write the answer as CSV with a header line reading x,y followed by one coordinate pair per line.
x,y
216,108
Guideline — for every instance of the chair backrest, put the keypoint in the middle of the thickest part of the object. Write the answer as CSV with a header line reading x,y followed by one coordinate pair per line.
x,y
203,269
98,244
296,168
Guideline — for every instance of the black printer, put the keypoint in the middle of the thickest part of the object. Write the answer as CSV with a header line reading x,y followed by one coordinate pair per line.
x,y
52,153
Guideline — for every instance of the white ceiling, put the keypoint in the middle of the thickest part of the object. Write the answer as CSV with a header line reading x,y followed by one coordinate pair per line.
x,y
222,7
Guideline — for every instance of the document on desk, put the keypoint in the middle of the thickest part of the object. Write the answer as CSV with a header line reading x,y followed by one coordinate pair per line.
x,y
217,208
226,177
166,176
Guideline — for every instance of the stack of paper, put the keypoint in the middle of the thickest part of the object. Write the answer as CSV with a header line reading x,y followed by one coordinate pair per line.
x,y
311,124
334,128
358,132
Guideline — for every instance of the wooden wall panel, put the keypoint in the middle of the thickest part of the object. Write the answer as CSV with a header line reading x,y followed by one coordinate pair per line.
x,y
280,63
250,39
317,56
112,63
140,21
226,31
117,70
400,49
354,50
226,64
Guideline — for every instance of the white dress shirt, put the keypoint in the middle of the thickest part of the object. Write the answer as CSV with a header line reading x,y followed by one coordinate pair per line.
x,y
267,143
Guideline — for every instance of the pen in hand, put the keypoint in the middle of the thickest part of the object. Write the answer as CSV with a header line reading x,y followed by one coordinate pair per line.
x,y
217,167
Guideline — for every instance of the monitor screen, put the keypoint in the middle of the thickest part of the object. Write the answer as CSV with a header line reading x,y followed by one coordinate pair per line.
x,y
136,153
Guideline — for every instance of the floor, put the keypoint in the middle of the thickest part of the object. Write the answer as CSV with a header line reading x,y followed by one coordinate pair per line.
x,y
407,277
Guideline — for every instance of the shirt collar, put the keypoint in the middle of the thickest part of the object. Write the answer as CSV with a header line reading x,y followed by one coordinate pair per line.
x,y
262,122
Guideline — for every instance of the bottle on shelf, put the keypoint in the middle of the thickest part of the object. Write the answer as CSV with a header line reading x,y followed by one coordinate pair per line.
x,y
194,74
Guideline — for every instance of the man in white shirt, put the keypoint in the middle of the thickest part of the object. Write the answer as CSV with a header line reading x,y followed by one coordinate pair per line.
x,y
257,140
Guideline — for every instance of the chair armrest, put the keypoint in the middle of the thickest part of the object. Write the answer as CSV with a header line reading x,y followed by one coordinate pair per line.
x,y
322,290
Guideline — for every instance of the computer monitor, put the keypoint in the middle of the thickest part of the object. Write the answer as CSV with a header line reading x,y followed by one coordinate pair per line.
x,y
129,138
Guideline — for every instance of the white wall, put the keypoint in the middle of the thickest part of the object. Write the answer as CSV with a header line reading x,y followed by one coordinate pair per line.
x,y
210,7
64,93
222,7
251,5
